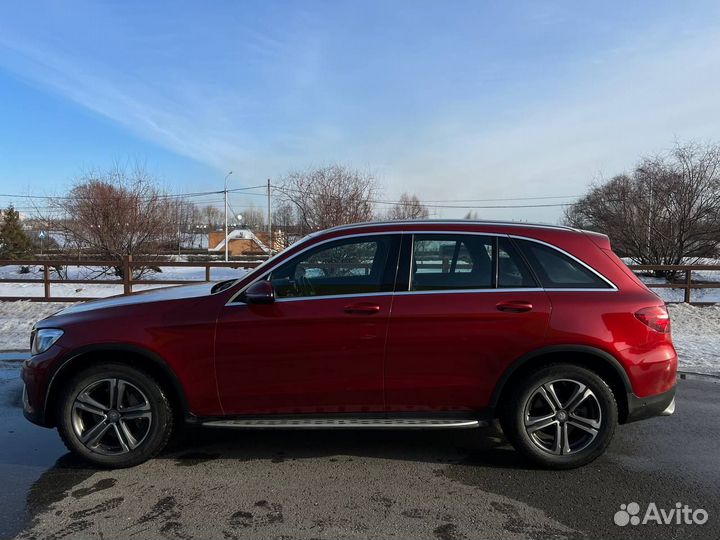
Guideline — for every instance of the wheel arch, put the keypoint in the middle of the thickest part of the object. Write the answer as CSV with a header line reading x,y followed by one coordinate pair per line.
x,y
132,355
597,360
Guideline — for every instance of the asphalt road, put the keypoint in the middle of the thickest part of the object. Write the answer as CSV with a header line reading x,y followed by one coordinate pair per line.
x,y
366,484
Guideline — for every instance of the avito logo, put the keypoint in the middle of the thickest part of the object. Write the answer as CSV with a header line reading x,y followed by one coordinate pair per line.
x,y
682,514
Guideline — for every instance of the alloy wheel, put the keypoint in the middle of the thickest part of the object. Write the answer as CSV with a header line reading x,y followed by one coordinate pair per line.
x,y
562,417
111,416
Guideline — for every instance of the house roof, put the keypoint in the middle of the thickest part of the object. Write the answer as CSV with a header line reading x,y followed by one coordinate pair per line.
x,y
240,234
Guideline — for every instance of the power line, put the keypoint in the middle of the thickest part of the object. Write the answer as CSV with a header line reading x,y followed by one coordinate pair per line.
x,y
433,203
149,197
462,207
505,199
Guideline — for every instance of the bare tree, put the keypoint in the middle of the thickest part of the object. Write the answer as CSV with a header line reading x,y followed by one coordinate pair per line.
x,y
667,211
117,212
408,207
285,220
211,217
187,218
329,196
253,218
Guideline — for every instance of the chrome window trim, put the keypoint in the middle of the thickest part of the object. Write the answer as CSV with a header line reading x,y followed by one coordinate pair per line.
x,y
589,289
612,286
331,296
473,291
232,300
410,265
406,293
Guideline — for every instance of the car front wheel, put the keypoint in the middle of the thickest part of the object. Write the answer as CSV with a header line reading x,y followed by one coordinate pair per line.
x,y
114,415
560,416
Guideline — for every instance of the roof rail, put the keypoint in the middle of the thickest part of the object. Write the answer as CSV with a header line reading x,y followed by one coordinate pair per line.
x,y
446,222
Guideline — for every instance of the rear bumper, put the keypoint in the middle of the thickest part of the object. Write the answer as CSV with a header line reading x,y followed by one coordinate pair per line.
x,y
647,407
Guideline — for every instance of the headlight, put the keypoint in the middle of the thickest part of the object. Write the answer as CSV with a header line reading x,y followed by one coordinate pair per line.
x,y
44,339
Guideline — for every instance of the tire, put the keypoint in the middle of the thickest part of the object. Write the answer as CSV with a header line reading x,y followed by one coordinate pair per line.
x,y
128,410
560,416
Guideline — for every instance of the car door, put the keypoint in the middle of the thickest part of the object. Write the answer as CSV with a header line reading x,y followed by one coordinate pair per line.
x,y
319,347
469,307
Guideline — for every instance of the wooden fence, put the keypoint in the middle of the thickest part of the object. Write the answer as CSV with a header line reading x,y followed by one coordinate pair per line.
x,y
127,266
687,284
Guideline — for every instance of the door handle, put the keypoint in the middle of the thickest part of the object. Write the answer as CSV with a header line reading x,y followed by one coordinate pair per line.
x,y
514,306
362,308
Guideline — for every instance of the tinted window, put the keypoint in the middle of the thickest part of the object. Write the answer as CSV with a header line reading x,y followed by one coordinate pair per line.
x,y
348,266
513,271
556,270
446,261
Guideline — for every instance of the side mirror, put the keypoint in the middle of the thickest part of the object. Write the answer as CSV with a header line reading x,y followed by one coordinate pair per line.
x,y
260,292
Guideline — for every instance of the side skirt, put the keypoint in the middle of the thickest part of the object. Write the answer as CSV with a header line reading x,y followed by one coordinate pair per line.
x,y
345,421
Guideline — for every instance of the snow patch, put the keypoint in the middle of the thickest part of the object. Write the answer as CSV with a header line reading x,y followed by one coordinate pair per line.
x,y
17,319
696,335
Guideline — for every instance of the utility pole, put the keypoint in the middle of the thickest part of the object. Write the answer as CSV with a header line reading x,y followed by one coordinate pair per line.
x,y
177,217
226,220
270,238
649,218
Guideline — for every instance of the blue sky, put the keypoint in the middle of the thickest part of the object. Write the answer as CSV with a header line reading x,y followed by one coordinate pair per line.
x,y
450,100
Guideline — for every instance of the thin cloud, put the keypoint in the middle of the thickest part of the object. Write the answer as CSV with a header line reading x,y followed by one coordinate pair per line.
x,y
270,102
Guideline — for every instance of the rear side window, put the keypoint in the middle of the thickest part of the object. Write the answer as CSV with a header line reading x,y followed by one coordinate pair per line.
x,y
449,261
558,271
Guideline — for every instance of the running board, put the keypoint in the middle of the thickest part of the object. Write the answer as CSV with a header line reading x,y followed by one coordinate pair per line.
x,y
346,423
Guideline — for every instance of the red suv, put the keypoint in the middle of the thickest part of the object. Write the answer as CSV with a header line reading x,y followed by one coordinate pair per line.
x,y
432,324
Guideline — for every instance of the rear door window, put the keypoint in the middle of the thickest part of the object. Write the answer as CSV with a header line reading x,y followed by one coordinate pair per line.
x,y
558,271
452,261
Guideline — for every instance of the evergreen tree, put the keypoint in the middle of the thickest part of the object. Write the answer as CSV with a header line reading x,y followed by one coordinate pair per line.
x,y
14,243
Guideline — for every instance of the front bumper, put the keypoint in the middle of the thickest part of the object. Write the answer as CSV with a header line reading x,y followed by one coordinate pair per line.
x,y
36,374
647,407
34,415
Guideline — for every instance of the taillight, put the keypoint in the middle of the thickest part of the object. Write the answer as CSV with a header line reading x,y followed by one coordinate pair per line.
x,y
656,317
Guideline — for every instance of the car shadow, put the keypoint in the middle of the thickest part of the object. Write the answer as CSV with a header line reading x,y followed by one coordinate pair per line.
x,y
486,447
194,446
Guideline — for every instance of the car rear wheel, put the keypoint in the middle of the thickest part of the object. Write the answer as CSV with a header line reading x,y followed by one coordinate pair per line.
x,y
114,415
561,416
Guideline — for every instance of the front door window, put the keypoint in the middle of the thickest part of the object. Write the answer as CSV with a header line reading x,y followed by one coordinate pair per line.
x,y
341,267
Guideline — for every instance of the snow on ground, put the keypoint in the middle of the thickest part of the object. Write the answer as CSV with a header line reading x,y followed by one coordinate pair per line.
x,y
17,318
696,334
99,289
695,330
